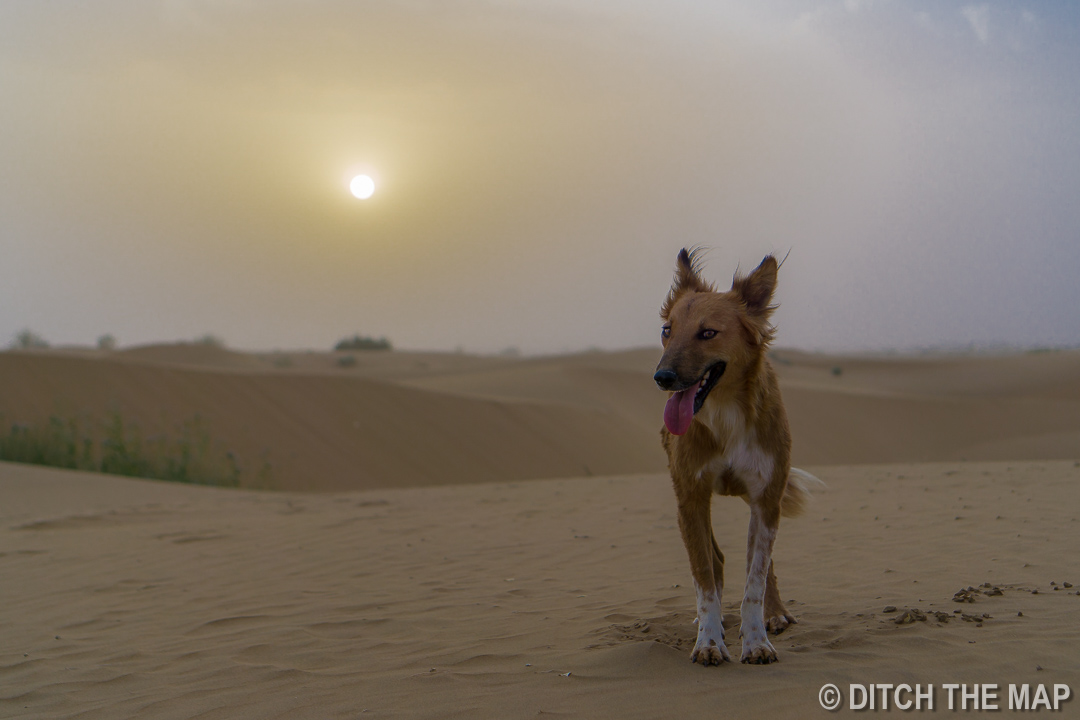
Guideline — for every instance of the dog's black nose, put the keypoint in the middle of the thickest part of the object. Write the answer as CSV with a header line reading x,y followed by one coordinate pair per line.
x,y
665,378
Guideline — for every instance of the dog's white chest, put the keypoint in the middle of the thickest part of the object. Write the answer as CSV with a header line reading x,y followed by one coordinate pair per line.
x,y
742,453
751,464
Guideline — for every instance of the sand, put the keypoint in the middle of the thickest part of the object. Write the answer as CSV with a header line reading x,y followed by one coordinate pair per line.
x,y
469,595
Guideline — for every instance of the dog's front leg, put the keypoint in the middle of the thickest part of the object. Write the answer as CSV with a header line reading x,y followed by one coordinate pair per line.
x,y
764,522
695,522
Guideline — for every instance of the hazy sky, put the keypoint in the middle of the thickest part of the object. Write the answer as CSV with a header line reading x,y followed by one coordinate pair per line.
x,y
173,168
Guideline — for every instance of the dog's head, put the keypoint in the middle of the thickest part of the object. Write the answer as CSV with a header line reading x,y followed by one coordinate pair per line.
x,y
711,339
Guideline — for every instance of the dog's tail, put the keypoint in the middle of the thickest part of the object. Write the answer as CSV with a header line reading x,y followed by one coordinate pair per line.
x,y
797,495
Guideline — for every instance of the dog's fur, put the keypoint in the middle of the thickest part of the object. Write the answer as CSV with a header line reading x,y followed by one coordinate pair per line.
x,y
737,443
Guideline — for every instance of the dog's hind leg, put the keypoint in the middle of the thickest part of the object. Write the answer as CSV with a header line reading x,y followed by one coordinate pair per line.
x,y
764,521
707,567
777,618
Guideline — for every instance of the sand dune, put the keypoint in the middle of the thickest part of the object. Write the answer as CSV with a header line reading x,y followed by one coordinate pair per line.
x,y
1050,375
1024,406
320,432
393,419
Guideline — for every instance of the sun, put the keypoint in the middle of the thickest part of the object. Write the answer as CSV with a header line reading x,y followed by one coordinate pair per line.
x,y
362,187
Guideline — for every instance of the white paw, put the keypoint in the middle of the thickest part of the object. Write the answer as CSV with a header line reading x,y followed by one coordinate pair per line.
x,y
758,653
710,652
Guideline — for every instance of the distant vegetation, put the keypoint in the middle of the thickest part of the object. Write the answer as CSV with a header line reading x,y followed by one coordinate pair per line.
x,y
106,342
27,339
210,340
118,448
362,342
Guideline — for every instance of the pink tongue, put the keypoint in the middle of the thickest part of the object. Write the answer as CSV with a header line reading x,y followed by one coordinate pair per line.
x,y
679,412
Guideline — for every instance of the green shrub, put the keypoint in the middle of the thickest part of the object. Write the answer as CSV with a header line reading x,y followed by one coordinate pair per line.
x,y
210,340
27,339
58,443
362,342
122,450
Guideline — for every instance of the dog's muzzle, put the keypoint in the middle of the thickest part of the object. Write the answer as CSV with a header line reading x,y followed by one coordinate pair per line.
x,y
665,379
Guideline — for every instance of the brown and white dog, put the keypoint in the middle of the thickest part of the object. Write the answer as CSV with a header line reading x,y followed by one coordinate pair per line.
x,y
726,432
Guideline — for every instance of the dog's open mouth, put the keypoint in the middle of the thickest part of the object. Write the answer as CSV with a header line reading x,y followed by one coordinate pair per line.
x,y
682,405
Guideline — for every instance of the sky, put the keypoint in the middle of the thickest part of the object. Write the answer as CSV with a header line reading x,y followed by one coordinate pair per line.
x,y
175,168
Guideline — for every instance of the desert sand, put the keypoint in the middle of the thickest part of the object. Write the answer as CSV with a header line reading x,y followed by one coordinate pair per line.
x,y
458,536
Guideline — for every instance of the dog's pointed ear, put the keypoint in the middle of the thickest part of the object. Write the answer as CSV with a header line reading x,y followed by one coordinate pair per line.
x,y
687,279
756,289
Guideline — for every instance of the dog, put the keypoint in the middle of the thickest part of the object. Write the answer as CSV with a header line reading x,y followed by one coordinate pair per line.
x,y
726,432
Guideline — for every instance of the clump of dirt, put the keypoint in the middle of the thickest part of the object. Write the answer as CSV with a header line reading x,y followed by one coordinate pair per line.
x,y
910,616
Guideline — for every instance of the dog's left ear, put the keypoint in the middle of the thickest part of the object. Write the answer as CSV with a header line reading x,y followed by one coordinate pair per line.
x,y
756,289
687,279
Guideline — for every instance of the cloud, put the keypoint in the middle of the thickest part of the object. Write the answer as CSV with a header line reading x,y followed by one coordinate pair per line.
x,y
924,20
979,18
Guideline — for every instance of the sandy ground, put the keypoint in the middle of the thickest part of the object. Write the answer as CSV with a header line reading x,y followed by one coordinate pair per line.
x,y
125,598
474,597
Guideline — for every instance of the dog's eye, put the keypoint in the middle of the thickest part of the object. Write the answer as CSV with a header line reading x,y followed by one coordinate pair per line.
x,y
665,332
707,334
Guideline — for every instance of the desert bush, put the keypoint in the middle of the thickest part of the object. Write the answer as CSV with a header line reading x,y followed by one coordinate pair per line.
x,y
57,443
210,340
362,342
117,447
106,342
27,339
346,361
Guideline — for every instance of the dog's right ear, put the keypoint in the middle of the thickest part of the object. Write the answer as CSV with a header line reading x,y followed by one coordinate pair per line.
x,y
687,279
756,289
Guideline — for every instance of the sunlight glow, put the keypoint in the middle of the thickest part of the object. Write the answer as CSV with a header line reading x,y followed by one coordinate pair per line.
x,y
362,187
